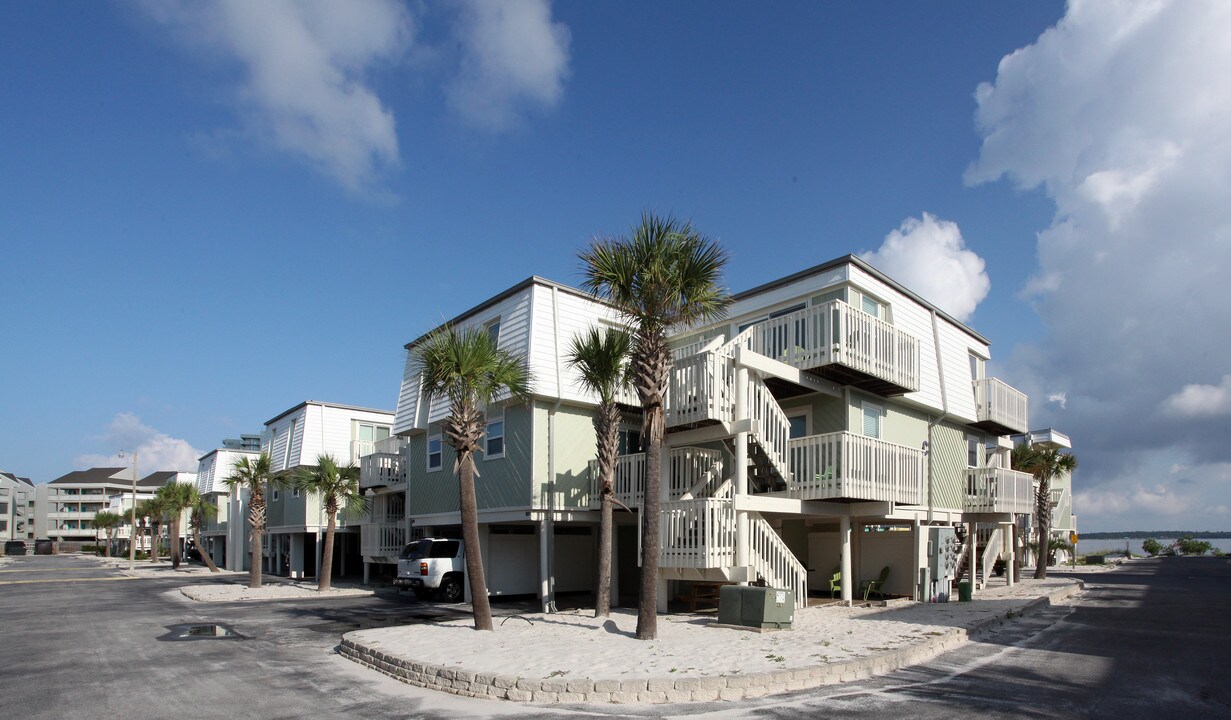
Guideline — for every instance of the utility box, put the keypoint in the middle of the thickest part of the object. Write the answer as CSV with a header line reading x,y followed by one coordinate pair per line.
x,y
943,549
756,607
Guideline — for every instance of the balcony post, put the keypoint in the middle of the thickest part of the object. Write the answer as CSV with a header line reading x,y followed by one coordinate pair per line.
x,y
741,467
1011,530
844,537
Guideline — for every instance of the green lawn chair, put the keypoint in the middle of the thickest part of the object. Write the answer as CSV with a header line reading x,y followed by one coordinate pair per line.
x,y
835,581
876,586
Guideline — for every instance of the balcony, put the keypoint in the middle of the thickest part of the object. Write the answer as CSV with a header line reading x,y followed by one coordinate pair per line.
x,y
381,470
692,471
383,538
698,534
1000,408
999,490
845,466
844,344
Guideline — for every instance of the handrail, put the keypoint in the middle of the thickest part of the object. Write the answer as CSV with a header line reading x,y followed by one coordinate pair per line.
x,y
999,490
697,534
772,428
774,561
991,551
997,401
845,465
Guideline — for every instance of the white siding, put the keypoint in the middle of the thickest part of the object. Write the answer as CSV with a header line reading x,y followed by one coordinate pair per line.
x,y
785,295
409,410
214,469
576,315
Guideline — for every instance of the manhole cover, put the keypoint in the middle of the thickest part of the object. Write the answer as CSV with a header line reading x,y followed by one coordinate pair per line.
x,y
201,632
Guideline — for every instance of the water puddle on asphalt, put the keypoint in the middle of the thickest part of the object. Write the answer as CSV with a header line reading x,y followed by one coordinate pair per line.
x,y
202,632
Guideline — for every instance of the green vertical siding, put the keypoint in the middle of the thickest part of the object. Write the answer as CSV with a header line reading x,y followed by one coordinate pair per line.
x,y
947,456
574,448
501,482
828,412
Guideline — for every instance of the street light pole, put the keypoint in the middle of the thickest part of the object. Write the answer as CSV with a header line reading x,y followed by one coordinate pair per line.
x,y
132,520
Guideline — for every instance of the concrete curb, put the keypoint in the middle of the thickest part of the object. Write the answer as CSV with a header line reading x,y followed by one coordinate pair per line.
x,y
492,686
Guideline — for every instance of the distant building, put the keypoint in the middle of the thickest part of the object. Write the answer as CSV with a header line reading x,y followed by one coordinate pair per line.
x,y
243,442
17,507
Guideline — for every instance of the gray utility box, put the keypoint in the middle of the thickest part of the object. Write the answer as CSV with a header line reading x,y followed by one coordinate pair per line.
x,y
757,607
943,549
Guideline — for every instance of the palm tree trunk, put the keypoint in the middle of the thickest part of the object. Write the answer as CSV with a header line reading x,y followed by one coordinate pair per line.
x,y
107,550
323,582
1043,513
607,425
154,541
652,365
209,561
470,536
174,532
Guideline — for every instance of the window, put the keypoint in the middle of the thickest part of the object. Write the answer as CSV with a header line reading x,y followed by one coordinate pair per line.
x,y
369,432
976,367
870,306
799,425
493,331
495,434
435,455
872,415
630,441
294,492
275,495
973,446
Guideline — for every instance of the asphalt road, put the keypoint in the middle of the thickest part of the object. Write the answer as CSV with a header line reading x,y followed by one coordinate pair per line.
x,y
1146,641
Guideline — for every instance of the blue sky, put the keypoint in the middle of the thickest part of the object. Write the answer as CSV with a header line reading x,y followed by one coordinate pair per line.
x,y
215,211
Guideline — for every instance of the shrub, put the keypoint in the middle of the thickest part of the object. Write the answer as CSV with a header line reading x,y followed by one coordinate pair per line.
x,y
1188,546
1152,546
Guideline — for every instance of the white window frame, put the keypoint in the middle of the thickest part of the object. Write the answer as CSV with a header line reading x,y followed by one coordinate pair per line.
x,y
494,416
441,452
978,367
878,411
493,324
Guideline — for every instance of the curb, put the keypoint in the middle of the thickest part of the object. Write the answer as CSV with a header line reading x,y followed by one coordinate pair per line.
x,y
493,686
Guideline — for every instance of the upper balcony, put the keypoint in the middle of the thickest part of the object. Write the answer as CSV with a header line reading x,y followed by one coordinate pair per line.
x,y
382,465
842,343
999,490
845,466
1000,408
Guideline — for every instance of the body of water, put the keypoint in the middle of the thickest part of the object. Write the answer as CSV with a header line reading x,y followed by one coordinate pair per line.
x,y
1110,545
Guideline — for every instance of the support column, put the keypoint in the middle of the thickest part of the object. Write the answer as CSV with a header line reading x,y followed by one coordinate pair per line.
x,y
919,559
1011,562
367,572
544,577
319,547
844,537
741,469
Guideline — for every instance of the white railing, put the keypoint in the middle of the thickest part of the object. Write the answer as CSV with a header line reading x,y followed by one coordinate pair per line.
x,y
844,465
772,428
381,469
993,543
999,490
392,445
997,401
383,538
697,534
773,560
686,469
694,348
837,333
359,448
700,390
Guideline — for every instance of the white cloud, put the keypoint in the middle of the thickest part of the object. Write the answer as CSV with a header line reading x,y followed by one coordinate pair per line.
x,y
156,451
929,256
514,56
304,66
1138,499
1059,398
1117,113
1195,401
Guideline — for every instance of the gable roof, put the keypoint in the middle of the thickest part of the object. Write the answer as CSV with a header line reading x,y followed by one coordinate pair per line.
x,y
306,403
157,479
93,476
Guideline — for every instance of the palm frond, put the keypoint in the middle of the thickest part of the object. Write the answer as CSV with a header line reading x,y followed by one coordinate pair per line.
x,y
601,360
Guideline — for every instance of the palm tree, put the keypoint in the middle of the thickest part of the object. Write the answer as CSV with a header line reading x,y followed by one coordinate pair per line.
x,y
601,357
664,274
152,509
254,475
1046,464
337,485
466,367
200,509
108,521
176,498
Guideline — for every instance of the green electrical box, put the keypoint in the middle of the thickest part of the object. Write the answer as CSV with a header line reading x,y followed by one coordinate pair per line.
x,y
757,607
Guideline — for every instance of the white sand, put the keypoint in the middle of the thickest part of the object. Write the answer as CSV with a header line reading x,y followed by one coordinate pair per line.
x,y
240,592
574,645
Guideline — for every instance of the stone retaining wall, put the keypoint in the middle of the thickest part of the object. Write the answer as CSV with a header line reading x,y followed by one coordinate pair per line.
x,y
671,690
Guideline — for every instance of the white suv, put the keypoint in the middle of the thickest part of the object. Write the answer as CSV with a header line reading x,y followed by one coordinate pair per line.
x,y
433,566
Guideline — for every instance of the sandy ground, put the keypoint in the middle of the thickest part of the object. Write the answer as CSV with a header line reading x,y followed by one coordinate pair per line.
x,y
235,589
573,645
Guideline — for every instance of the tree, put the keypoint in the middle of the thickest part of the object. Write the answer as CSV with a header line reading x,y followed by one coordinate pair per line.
x,y
254,476
200,509
663,275
467,368
337,485
601,358
1188,546
108,522
1152,547
1046,464
152,510
176,497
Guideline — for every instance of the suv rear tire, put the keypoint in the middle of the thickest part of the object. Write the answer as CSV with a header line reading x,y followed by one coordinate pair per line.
x,y
451,589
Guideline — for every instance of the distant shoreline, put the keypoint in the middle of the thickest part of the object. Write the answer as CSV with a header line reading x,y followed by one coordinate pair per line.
x,y
1140,534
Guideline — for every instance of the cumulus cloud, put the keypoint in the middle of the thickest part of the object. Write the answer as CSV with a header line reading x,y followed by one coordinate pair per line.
x,y
514,57
157,451
304,66
929,256
1195,401
1117,113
